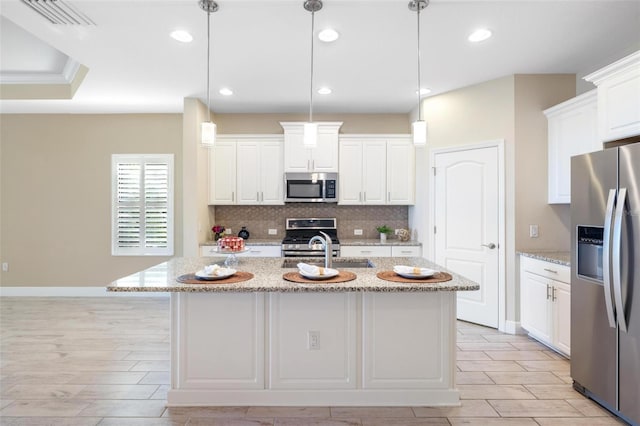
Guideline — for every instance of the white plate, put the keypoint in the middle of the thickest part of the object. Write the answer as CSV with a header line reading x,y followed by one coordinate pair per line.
x,y
223,273
328,273
427,274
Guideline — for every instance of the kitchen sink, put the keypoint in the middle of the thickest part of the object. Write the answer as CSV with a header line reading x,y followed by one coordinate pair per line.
x,y
338,263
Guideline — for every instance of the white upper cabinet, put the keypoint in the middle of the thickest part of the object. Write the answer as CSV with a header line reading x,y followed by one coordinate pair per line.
x,y
259,171
618,98
246,169
323,158
376,169
222,172
363,167
572,130
401,171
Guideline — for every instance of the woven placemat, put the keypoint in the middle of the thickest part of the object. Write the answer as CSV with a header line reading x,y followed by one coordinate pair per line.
x,y
438,277
238,277
342,277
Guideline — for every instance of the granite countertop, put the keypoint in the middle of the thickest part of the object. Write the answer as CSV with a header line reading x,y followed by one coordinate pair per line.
x,y
376,242
558,257
268,278
343,242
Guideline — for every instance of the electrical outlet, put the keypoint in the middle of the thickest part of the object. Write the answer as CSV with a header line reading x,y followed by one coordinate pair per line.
x,y
228,231
533,231
357,232
5,267
273,231
313,340
396,231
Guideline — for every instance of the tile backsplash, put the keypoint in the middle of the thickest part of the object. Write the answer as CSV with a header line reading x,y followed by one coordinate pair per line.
x,y
259,219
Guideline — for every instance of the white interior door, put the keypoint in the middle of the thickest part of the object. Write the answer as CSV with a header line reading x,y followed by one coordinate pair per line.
x,y
467,225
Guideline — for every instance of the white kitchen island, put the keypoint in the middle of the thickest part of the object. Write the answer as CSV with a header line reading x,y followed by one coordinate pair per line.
x,y
268,341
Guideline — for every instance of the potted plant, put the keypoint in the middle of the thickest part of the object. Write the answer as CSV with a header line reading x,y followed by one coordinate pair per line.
x,y
384,230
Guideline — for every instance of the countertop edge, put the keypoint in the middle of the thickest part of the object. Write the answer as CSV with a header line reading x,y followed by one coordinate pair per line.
x,y
557,257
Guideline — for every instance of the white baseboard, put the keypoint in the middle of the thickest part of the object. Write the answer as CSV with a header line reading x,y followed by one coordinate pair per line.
x,y
72,292
513,327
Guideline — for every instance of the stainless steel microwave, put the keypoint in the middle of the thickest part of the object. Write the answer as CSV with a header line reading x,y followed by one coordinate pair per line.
x,y
311,187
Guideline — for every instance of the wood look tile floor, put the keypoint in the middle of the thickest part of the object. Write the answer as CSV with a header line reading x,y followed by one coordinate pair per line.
x,y
105,361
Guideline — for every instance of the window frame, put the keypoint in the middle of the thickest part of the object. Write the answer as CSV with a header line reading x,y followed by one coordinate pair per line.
x,y
143,159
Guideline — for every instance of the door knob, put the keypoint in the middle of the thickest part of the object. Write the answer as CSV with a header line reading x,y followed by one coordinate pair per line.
x,y
490,245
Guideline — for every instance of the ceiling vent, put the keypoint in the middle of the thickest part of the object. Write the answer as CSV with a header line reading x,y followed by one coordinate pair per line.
x,y
58,12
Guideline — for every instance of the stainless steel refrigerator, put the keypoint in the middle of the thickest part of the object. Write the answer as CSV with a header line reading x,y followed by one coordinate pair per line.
x,y
605,278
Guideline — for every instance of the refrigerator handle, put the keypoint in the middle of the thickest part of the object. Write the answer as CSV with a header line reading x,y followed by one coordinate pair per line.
x,y
606,258
617,261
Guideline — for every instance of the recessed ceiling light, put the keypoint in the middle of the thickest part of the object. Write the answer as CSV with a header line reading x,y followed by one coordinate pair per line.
x,y
181,36
328,35
424,91
324,90
225,91
479,35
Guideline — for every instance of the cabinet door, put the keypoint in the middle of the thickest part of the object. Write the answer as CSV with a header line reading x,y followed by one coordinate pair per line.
x,y
324,157
350,178
248,172
400,172
619,104
562,317
271,173
374,167
573,131
535,306
222,173
296,156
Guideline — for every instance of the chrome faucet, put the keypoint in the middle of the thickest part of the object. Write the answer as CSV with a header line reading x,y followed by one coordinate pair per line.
x,y
326,245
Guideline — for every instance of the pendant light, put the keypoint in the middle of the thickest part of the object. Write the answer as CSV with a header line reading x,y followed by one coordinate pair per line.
x,y
208,128
310,134
419,127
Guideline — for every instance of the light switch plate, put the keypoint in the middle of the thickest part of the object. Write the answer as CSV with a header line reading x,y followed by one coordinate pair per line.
x,y
533,231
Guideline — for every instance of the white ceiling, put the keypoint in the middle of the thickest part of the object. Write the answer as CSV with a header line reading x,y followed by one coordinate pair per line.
x,y
261,51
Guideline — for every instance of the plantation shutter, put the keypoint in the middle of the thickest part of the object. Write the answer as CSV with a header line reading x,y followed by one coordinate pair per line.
x,y
143,205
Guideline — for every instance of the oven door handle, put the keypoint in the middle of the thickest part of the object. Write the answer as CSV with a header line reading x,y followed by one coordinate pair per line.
x,y
306,253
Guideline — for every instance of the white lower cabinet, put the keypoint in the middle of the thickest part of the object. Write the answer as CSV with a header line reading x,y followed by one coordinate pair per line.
x,y
545,302
314,347
380,251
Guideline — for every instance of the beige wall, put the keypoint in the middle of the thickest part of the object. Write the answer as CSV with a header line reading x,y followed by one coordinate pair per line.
x,y
352,123
533,94
56,189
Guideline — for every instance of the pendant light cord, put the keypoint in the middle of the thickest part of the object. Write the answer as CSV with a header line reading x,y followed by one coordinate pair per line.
x,y
419,103
313,14
208,63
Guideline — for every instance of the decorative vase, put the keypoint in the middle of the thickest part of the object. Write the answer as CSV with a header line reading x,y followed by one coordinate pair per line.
x,y
216,236
383,237
244,234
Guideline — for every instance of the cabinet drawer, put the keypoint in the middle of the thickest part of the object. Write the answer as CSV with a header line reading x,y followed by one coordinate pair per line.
x,y
365,251
254,251
406,251
545,269
263,251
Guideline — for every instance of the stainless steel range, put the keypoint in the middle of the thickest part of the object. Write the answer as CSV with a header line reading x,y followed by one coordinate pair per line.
x,y
300,231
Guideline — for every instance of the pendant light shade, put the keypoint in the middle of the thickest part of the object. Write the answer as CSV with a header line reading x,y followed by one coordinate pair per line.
x,y
208,133
208,128
419,127
419,130
310,136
